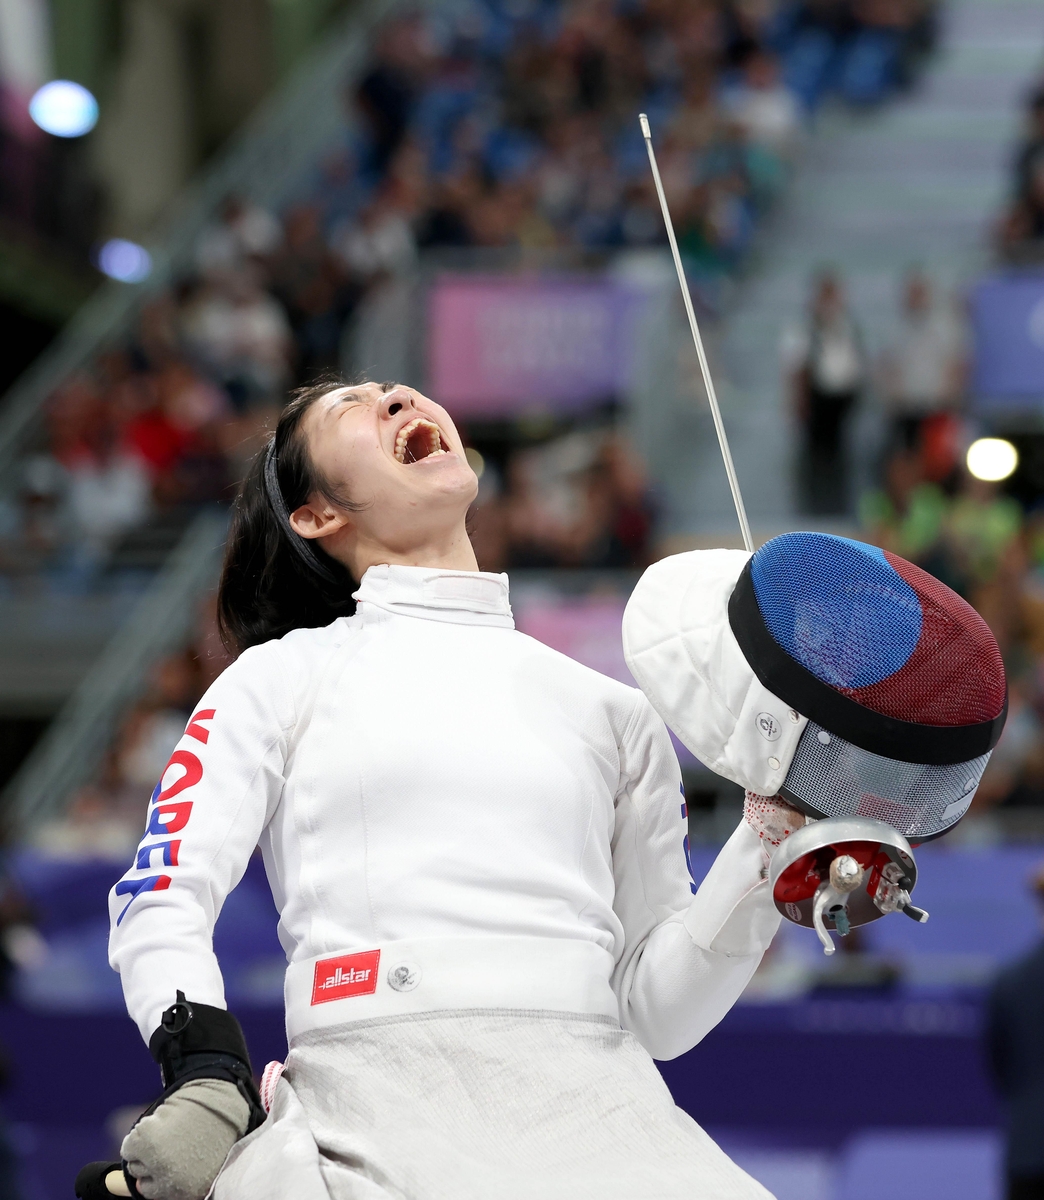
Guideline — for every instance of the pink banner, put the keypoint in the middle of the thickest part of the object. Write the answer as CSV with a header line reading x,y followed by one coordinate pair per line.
x,y
499,345
587,629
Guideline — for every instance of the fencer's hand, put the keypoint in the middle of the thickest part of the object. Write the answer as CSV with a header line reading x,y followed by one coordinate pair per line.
x,y
176,1152
771,818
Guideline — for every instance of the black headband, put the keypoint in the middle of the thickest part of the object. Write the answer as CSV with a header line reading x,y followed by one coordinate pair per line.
x,y
795,685
309,555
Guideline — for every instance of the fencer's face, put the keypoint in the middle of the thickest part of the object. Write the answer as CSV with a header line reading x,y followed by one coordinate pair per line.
x,y
396,454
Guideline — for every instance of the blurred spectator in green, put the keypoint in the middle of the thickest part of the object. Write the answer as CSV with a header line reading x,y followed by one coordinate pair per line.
x,y
907,515
974,542
983,531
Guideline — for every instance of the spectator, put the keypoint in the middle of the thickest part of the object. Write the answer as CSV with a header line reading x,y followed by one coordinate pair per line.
x,y
908,514
488,522
538,502
1015,773
1030,158
1015,1039
445,220
239,334
613,526
864,49
923,371
871,65
387,92
1021,229
580,500
108,490
40,527
765,110
311,291
983,532
155,726
817,30
381,243
827,371
243,233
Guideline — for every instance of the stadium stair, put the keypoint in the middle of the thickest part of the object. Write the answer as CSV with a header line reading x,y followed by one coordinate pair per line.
x,y
916,182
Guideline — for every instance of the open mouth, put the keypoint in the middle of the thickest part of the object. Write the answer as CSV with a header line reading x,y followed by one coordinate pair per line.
x,y
419,439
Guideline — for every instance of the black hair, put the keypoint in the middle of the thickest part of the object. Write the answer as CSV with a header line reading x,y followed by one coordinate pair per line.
x,y
273,580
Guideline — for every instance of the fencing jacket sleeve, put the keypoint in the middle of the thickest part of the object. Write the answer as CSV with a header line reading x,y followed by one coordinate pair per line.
x,y
204,821
684,964
452,815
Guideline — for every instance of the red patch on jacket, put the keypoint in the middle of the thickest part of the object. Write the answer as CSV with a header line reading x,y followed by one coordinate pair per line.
x,y
348,975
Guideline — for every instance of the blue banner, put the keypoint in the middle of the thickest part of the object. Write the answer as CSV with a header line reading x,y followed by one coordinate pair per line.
x,y
1007,314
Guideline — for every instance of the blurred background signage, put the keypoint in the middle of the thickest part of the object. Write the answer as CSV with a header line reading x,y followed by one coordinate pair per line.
x,y
1008,324
501,345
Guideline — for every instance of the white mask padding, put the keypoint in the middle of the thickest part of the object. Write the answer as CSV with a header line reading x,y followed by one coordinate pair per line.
x,y
680,648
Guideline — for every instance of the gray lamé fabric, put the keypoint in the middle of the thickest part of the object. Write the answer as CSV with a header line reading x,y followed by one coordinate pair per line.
x,y
477,1105
175,1152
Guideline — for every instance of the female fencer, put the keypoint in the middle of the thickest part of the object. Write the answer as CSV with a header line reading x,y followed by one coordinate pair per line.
x,y
476,847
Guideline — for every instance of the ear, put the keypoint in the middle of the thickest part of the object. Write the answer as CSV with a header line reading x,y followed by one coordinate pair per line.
x,y
317,520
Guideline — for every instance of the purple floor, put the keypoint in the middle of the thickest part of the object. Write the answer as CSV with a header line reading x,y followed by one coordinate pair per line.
x,y
919,1117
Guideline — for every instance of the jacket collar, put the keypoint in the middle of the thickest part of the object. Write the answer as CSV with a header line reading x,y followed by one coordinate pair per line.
x,y
460,597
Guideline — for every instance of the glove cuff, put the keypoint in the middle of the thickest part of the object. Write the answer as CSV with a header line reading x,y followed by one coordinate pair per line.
x,y
199,1041
187,1030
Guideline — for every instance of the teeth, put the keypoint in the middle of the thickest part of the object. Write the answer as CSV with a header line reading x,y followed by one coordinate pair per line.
x,y
407,431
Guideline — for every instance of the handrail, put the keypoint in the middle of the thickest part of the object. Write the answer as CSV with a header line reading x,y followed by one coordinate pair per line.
x,y
264,163
68,753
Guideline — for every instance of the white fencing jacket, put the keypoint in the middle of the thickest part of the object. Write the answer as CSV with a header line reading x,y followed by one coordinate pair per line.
x,y
452,816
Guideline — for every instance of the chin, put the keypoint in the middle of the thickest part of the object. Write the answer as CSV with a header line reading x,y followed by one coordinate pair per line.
x,y
454,477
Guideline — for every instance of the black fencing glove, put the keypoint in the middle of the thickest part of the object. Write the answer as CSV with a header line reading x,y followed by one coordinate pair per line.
x,y
208,1103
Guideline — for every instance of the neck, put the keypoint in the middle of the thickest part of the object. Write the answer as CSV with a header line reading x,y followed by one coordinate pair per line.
x,y
451,553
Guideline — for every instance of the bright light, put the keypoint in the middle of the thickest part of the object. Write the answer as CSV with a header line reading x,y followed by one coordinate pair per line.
x,y
64,108
126,261
475,460
992,459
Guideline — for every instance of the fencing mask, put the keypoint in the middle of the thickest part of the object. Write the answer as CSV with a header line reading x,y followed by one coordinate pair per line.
x,y
835,674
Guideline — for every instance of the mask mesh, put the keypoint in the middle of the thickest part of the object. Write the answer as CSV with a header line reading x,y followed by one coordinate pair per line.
x,y
879,630
837,779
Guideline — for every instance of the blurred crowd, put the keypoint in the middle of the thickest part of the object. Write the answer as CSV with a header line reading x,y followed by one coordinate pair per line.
x,y
510,120
919,499
580,500
984,544
503,126
516,125
1020,231
918,378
